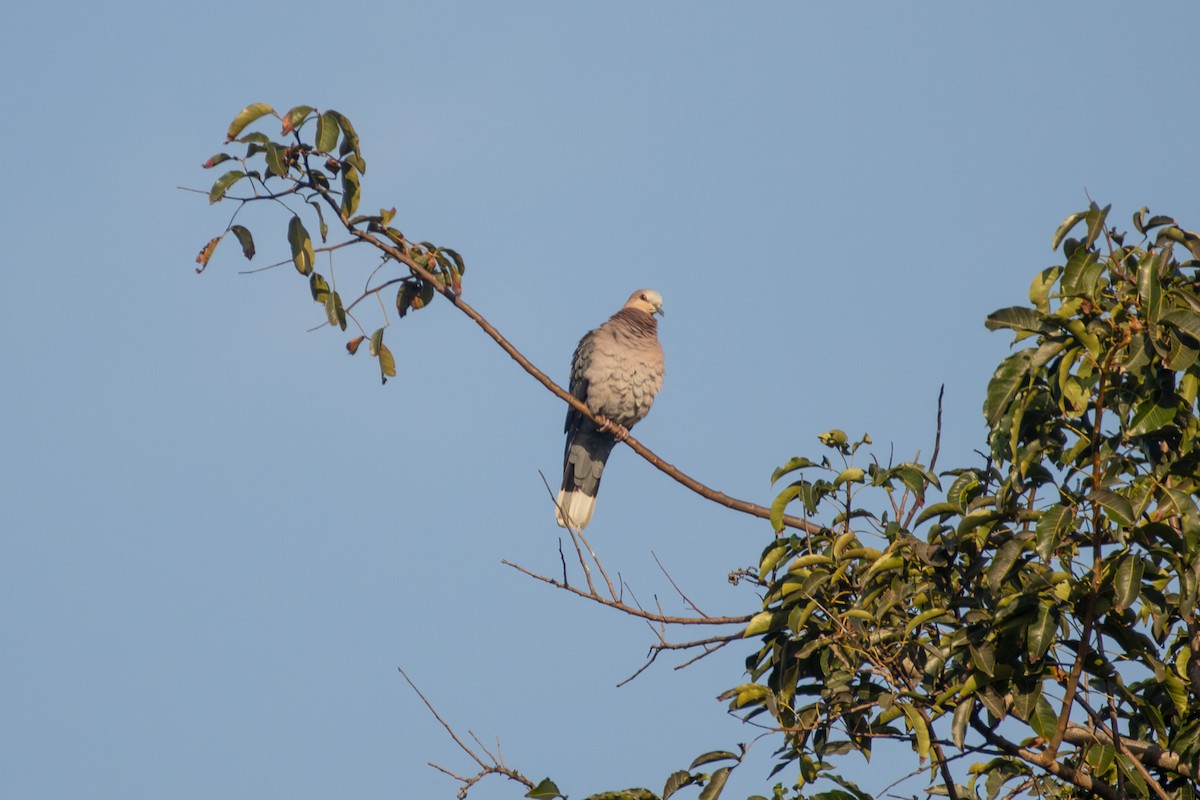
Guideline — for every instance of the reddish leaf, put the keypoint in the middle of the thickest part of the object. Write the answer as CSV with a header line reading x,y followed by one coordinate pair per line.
x,y
206,253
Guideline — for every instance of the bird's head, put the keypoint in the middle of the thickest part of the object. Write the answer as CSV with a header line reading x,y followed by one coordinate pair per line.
x,y
646,300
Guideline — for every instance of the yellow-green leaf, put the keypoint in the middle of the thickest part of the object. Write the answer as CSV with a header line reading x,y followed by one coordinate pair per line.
x,y
295,117
327,132
245,117
222,184
387,363
302,249
350,191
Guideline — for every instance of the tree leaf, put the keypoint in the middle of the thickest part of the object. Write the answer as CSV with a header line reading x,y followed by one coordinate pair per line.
x,y
1185,320
1127,581
762,622
1151,415
1054,522
1044,720
318,286
1065,228
710,757
206,252
334,311
295,117
376,341
676,781
1039,290
275,162
716,783
1040,634
1116,506
219,158
302,249
245,117
917,725
222,184
327,132
1004,385
387,363
799,462
350,191
1018,318
546,790
958,723
245,240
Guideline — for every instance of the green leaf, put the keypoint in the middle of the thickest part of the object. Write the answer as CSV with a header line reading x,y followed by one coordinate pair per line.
x,y
1185,320
321,220
833,438
1002,563
1044,721
319,287
295,117
546,790
677,781
779,506
387,363
275,162
1051,526
917,725
1095,220
302,249
1040,635
1039,290
350,191
1004,385
1127,582
350,140
327,132
334,311
245,240
376,341
1065,228
958,723
1082,273
1018,318
1150,415
1116,506
1150,287
762,622
219,158
710,757
849,475
245,117
222,184
716,783
799,462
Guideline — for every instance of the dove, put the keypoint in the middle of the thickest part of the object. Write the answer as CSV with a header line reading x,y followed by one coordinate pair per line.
x,y
616,371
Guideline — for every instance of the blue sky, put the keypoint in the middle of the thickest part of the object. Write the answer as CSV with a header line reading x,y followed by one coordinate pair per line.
x,y
223,535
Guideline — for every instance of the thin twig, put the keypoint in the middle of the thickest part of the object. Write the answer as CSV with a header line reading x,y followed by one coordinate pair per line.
x,y
629,609
677,589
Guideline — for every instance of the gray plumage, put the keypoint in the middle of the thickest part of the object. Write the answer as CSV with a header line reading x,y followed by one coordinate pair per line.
x,y
617,369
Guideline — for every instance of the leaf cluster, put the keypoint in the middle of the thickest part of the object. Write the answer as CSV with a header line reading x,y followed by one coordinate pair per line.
x,y
316,167
1040,616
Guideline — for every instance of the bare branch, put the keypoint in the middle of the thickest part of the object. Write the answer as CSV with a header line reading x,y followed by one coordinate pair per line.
x,y
636,612
496,767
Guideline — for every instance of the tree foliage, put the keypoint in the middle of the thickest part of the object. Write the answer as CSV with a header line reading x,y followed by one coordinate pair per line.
x,y
1026,623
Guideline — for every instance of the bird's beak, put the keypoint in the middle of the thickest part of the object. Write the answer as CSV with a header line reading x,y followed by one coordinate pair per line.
x,y
659,310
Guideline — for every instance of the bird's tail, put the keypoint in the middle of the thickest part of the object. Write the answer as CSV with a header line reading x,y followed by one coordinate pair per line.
x,y
583,467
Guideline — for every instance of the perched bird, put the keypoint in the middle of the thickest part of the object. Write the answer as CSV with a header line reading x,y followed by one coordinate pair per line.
x,y
616,371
